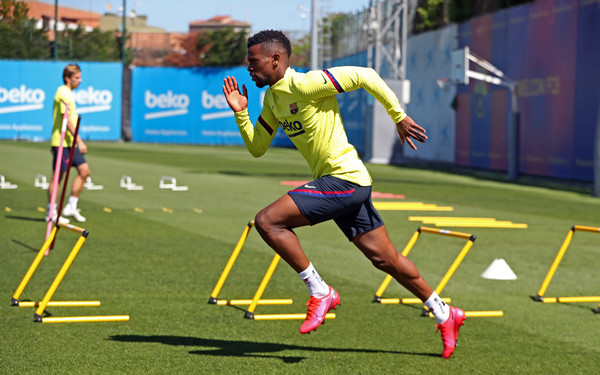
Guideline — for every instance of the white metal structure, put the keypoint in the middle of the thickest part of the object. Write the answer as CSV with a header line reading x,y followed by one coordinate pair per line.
x,y
460,75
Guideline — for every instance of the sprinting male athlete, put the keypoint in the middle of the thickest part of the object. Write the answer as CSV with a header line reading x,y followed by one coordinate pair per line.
x,y
305,107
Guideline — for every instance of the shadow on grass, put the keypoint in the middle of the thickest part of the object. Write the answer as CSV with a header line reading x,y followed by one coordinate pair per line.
x,y
27,218
233,348
25,245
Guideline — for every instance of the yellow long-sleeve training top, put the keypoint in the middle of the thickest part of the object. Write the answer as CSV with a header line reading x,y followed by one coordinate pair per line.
x,y
64,95
305,107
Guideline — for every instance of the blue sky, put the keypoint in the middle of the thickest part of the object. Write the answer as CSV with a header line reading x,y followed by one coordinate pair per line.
x,y
175,15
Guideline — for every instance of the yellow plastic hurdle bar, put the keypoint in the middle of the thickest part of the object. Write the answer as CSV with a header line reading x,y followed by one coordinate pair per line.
x,y
41,306
480,314
257,299
470,240
15,298
225,273
259,292
561,252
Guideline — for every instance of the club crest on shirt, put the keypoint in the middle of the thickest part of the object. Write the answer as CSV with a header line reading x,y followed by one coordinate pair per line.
x,y
294,108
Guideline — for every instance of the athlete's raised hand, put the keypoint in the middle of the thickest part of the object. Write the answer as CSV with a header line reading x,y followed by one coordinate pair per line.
x,y
408,129
237,101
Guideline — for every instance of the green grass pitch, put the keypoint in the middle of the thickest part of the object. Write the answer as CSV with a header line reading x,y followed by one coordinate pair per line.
x,y
159,266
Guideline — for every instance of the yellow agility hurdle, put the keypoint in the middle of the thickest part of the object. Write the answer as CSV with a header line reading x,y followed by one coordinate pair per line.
x,y
410,206
473,222
259,292
480,314
60,303
41,306
470,240
561,252
438,289
225,273
257,299
15,298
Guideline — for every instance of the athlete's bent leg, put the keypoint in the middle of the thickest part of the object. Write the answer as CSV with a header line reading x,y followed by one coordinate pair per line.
x,y
379,249
274,223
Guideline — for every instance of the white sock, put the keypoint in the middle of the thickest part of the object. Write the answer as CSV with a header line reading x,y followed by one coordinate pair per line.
x,y
316,286
440,310
51,209
73,202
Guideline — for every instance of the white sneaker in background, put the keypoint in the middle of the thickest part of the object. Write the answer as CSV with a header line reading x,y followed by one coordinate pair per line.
x,y
67,211
61,220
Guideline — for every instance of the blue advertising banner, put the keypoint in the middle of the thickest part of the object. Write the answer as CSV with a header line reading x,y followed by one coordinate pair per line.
x,y
27,90
170,105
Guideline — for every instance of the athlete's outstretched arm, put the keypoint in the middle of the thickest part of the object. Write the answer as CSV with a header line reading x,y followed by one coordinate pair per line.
x,y
256,138
408,129
342,79
237,101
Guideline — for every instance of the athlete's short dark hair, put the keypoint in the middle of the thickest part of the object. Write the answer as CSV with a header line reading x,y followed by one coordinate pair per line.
x,y
271,38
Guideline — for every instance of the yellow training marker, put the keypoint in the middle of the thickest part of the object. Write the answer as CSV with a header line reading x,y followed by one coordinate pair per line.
x,y
108,210
480,314
408,301
405,301
7,209
571,299
137,209
498,224
287,316
478,222
235,302
167,210
441,219
60,303
78,319
410,206
41,209
433,219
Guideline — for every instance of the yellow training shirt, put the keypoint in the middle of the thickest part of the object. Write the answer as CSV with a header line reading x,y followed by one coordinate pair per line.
x,y
305,107
64,95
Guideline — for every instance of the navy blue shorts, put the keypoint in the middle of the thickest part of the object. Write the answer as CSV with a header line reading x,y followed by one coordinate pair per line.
x,y
347,203
78,158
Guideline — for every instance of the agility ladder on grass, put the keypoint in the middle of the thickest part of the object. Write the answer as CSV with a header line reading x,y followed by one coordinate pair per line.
x,y
561,252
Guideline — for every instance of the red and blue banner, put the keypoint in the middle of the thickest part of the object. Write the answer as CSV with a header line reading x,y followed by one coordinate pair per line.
x,y
550,48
